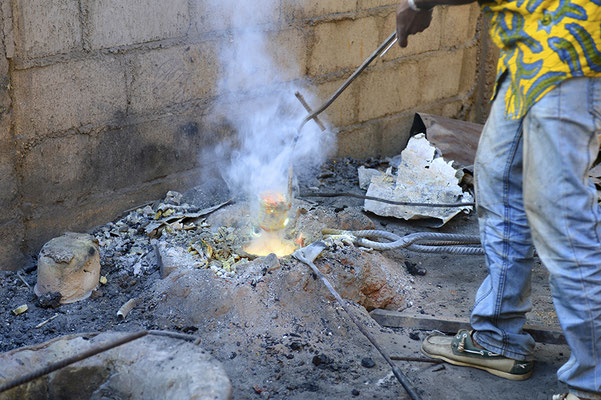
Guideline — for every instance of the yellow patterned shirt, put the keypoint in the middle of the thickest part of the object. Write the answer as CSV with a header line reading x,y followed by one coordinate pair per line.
x,y
543,42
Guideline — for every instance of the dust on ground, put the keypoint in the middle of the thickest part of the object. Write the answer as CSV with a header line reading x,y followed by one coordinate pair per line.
x,y
296,360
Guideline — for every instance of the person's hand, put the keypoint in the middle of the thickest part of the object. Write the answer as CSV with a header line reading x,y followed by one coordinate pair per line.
x,y
409,22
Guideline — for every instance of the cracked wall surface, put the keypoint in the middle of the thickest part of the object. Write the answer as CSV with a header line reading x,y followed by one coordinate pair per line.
x,y
105,104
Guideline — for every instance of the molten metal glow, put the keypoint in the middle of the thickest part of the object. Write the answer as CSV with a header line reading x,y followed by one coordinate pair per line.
x,y
270,242
273,211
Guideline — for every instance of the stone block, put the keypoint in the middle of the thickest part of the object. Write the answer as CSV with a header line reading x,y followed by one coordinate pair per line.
x,y
344,110
439,75
67,95
389,90
46,28
294,9
69,265
162,78
394,133
217,15
428,40
58,168
113,23
9,195
367,4
459,24
45,220
154,368
469,69
361,141
274,58
342,44
12,234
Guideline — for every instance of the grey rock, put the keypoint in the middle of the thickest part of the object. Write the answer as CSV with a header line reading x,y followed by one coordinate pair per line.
x,y
70,265
148,368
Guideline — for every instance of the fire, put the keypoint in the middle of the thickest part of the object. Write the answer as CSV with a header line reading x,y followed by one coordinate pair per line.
x,y
273,211
270,242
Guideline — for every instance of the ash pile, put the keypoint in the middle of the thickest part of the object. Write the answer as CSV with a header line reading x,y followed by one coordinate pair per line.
x,y
268,322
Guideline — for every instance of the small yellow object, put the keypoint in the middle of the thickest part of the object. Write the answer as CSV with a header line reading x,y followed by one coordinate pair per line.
x,y
103,280
168,213
158,215
20,310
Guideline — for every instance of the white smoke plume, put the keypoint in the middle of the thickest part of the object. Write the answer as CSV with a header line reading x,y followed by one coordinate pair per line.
x,y
263,109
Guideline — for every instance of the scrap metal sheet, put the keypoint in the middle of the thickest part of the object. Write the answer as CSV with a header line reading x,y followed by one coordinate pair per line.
x,y
421,178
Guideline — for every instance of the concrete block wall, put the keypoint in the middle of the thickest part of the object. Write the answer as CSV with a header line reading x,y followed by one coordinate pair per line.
x,y
106,104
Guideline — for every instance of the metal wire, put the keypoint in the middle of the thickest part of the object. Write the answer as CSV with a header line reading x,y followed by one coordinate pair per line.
x,y
394,202
433,242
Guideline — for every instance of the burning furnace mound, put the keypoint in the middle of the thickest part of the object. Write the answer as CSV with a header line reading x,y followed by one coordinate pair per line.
x,y
257,291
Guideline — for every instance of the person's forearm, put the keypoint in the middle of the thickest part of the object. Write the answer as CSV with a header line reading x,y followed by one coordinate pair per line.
x,y
426,4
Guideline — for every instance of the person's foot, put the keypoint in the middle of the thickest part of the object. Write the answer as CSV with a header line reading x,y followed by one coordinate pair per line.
x,y
567,396
461,350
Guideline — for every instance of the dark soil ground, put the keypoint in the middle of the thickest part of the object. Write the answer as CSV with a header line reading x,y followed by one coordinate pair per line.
x,y
318,369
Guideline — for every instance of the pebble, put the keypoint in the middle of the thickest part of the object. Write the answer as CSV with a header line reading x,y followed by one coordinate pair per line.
x,y
414,335
355,392
367,362
50,300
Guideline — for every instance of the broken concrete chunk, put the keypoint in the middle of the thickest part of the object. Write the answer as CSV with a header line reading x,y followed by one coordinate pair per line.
x,y
149,368
174,198
70,265
421,178
366,175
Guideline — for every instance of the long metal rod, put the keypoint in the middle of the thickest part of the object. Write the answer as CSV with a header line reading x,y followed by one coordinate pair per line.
x,y
342,88
398,203
395,370
92,352
70,360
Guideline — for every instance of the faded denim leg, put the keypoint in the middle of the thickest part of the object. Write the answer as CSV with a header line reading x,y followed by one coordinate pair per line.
x,y
560,144
504,297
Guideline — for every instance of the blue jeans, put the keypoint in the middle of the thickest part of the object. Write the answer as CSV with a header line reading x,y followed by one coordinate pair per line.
x,y
533,191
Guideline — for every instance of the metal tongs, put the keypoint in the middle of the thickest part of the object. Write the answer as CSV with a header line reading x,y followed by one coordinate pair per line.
x,y
313,115
380,51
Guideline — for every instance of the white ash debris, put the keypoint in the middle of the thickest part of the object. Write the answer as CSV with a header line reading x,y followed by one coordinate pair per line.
x,y
179,231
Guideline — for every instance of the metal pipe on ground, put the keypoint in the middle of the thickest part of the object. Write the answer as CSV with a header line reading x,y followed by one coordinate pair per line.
x,y
307,255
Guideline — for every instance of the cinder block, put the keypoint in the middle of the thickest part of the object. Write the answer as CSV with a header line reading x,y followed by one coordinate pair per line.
x,y
45,27
469,69
343,111
459,24
361,141
60,170
428,40
390,90
67,95
439,76
162,78
274,57
367,4
452,109
294,9
217,15
8,186
118,23
395,133
342,44
49,220
12,234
